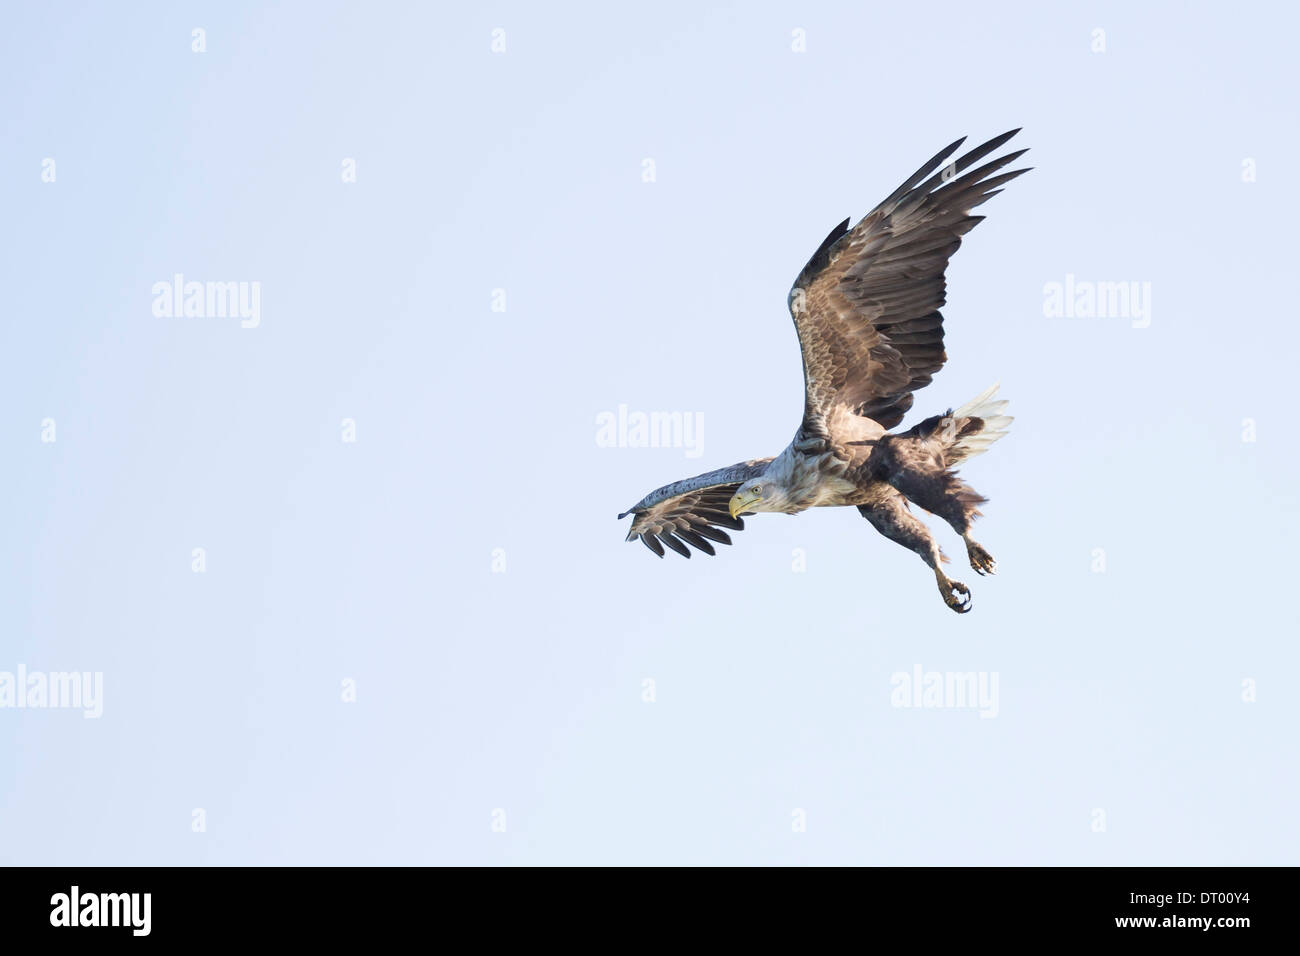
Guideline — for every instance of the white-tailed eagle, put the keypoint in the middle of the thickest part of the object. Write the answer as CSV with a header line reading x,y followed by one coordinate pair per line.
x,y
866,309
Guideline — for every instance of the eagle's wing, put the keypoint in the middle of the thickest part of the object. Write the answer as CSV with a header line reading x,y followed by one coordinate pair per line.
x,y
691,510
866,306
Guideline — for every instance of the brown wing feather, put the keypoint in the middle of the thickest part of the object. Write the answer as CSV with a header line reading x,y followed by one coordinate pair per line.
x,y
866,306
691,511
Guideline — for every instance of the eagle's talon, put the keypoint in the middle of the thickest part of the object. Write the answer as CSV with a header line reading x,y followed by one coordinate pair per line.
x,y
980,559
956,595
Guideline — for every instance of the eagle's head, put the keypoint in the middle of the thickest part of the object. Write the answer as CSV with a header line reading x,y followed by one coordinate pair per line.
x,y
763,493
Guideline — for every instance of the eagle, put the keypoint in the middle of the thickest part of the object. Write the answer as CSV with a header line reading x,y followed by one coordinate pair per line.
x,y
866,311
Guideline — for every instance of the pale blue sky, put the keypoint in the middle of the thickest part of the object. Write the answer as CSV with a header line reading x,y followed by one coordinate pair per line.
x,y
476,430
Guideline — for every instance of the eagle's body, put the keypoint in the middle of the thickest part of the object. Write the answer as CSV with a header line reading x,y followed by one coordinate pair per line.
x,y
866,311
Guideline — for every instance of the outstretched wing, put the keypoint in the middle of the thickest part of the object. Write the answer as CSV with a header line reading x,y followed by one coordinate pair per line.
x,y
693,510
866,306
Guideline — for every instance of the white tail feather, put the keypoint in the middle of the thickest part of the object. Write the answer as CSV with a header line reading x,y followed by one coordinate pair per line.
x,y
995,424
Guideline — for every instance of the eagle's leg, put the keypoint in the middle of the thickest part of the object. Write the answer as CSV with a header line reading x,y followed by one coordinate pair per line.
x,y
891,518
939,492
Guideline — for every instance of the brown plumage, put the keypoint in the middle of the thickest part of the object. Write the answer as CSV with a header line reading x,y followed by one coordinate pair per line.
x,y
866,310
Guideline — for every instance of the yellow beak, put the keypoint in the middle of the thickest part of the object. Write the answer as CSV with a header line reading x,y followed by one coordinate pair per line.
x,y
739,502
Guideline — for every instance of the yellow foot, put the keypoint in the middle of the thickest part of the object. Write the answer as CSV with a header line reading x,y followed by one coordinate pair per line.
x,y
980,559
955,594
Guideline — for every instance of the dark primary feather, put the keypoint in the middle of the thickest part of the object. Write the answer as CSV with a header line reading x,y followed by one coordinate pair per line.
x,y
866,306
691,511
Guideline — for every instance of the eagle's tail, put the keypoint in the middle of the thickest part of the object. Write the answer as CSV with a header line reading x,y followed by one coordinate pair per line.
x,y
976,425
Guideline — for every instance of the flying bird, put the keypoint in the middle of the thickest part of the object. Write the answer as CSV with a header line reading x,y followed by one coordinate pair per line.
x,y
866,310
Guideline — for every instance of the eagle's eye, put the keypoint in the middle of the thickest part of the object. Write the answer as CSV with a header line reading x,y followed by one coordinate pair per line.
x,y
758,489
